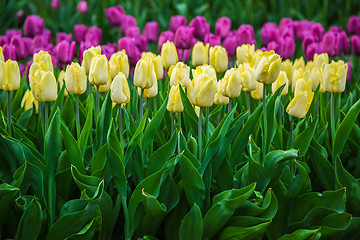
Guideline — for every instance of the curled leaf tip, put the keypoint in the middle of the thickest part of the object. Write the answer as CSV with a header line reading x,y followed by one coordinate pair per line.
x,y
143,192
345,189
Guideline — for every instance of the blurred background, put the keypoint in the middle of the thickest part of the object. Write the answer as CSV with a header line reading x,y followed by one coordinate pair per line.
x,y
255,12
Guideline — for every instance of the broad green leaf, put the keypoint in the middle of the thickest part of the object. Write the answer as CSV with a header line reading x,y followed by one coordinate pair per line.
x,y
118,172
89,183
52,144
98,161
303,234
303,140
253,232
87,128
275,162
31,221
103,121
300,184
192,225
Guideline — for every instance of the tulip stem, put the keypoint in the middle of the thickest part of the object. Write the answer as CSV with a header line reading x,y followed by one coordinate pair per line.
x,y
207,123
280,123
264,137
172,123
46,116
77,119
142,104
229,106
8,97
147,107
291,131
248,102
200,133
121,126
332,119
97,103
127,218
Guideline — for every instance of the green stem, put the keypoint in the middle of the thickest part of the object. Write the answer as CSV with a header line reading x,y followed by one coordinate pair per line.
x,y
127,219
50,198
147,107
142,104
121,126
281,123
332,122
291,131
46,116
248,102
264,137
77,119
97,103
172,123
8,97
200,134
207,123
229,105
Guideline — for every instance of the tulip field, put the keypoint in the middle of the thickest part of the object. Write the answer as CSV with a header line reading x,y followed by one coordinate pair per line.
x,y
191,120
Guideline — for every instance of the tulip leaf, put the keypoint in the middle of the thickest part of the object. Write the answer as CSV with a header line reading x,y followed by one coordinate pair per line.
x,y
86,131
52,144
303,140
190,116
192,225
303,234
275,162
98,161
103,121
89,183
118,172
300,183
30,223
251,232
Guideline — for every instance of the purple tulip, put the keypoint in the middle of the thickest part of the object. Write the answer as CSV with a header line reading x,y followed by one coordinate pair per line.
x,y
287,47
19,46
286,23
274,45
127,21
55,4
19,16
212,39
28,47
287,32
65,51
164,37
307,40
342,43
33,25
114,15
336,29
328,43
141,43
355,45
176,22
108,49
22,69
93,35
82,7
83,46
80,31
269,33
300,28
312,49
184,54
151,31
133,32
201,27
245,34
12,32
230,44
63,36
317,31
349,73
353,25
222,27
3,40
39,41
9,52
183,37
128,44
47,35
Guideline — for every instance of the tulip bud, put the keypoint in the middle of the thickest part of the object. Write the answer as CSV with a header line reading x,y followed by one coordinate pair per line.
x,y
335,76
119,62
158,66
245,34
60,79
248,82
220,99
179,74
175,104
88,55
114,15
99,70
41,61
299,63
28,101
320,59
164,37
9,75
34,25
127,21
82,7
281,80
328,44
302,85
258,92
300,74
176,22
65,51
219,58
132,51
222,27
183,37
150,92
55,4
44,87
144,75
8,52
200,26
300,104
268,68
230,44
151,31
353,25
168,54
120,92
80,31
355,44
245,53
200,54
75,79
19,46
202,88
231,83
269,33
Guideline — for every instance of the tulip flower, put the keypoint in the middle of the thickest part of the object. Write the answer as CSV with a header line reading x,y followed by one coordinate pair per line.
x,y
164,37
127,21
44,87
28,101
19,16
200,26
200,54
287,67
245,34
212,39
300,74
175,104
61,80
231,83
151,31
258,92
269,33
82,7
108,50
120,92
222,27
41,61
65,52
9,75
19,46
176,22
8,52
183,37
88,55
55,4
33,25
99,70
179,74
3,40
300,104
312,49
268,69
353,25
119,62
316,79
245,53
168,54
133,32
302,85
230,44
281,80
320,59
132,51
83,47
219,58
149,92
355,45
288,48
184,54
80,31
299,63
75,79
334,75
145,75
220,99
114,15
248,82
61,36
93,35
349,73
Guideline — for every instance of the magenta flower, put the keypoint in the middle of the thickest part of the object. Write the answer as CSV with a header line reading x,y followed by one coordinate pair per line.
x,y
212,39
12,32
349,73
269,33
65,51
114,15
93,35
317,31
201,27
245,34
3,40
63,36
312,49
28,47
165,36
230,44
82,7
307,40
55,4
128,44
355,45
80,31
328,44
184,54
300,28
342,43
19,16
108,49
222,27
287,47
353,25
22,69
127,21
141,43
19,46
286,23
9,52
33,25
151,31
133,32
176,22
183,37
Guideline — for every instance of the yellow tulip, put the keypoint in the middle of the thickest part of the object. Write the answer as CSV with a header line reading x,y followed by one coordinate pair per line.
x,y
144,75
119,62
299,63
158,66
75,79
219,59
316,79
60,79
179,74
44,86
88,55
300,74
281,80
105,87
150,92
256,58
200,54
169,54
300,104
245,53
231,83
175,104
258,92
99,70
268,69
120,92
248,82
9,75
302,85
309,65
220,99
41,61
320,59
204,69
334,75
28,101
1,55
287,67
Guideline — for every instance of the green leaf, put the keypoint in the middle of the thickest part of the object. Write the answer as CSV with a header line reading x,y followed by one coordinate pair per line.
x,y
303,234
300,184
118,172
84,182
30,222
303,140
52,144
253,232
103,121
87,128
192,225
275,162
